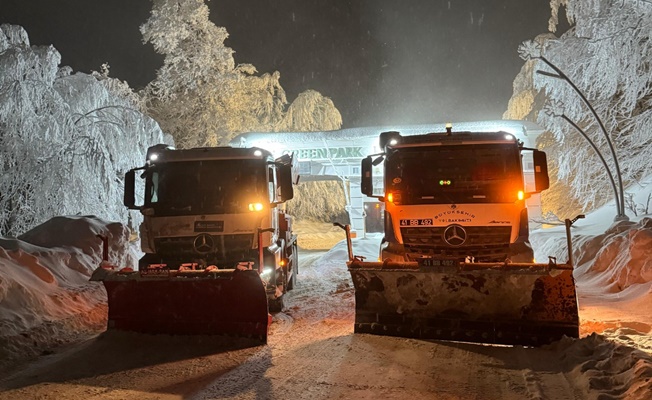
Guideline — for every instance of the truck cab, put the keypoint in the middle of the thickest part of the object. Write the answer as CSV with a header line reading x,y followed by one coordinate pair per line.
x,y
218,208
454,197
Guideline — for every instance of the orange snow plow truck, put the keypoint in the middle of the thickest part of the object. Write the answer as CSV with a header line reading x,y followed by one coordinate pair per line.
x,y
455,261
219,251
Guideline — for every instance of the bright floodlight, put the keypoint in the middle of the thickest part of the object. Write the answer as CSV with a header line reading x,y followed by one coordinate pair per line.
x,y
393,142
509,137
258,153
153,157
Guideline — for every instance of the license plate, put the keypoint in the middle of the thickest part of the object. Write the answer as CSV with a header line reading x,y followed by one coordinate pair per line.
x,y
209,226
437,262
155,271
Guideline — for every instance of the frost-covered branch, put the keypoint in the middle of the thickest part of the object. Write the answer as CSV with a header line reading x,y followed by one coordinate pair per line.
x,y
607,55
51,163
203,98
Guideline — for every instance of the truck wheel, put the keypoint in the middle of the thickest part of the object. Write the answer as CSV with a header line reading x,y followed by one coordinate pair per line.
x,y
276,304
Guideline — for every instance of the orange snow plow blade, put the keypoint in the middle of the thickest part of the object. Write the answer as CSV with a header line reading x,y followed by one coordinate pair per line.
x,y
526,304
222,302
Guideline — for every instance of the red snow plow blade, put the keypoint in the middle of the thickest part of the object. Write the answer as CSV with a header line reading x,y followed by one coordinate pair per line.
x,y
222,302
527,304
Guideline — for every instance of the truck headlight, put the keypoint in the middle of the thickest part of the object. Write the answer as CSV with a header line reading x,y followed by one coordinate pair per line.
x,y
267,271
255,206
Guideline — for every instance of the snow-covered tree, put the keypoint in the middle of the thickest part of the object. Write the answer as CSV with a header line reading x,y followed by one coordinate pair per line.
x,y
311,111
525,104
202,97
607,54
65,139
322,201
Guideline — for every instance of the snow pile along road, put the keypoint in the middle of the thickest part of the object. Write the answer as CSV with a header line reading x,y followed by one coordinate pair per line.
x,y
613,274
46,299
605,369
620,260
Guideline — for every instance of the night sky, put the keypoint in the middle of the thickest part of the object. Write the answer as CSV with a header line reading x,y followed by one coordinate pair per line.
x,y
381,61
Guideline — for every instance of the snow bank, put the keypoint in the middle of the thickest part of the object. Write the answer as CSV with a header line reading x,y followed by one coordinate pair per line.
x,y
605,369
82,233
614,263
46,298
621,256
613,272
613,259
624,257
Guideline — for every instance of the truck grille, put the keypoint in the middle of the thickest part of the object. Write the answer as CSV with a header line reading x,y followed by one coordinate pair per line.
x,y
484,243
180,247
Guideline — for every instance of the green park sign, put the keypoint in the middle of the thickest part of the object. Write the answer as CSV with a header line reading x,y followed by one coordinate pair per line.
x,y
328,153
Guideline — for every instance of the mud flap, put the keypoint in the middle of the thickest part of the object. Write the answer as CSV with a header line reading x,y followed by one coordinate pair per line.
x,y
233,303
527,304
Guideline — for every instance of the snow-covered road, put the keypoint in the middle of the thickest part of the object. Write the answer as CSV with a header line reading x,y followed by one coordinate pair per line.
x,y
312,354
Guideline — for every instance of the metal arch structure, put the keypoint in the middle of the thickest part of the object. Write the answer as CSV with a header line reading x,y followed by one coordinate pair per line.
x,y
336,155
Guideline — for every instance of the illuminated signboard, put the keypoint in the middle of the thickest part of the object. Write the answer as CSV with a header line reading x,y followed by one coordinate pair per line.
x,y
332,152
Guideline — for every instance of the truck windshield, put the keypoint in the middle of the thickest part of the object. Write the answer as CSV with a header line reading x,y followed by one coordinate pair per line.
x,y
483,173
205,187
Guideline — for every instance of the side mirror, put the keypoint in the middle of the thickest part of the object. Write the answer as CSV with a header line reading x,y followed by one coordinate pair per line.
x,y
130,184
287,175
366,183
541,178
285,182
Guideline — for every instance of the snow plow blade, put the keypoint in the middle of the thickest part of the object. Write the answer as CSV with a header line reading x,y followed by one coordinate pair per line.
x,y
526,304
222,302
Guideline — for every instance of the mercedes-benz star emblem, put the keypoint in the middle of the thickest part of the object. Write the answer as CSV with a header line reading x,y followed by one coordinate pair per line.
x,y
203,243
455,235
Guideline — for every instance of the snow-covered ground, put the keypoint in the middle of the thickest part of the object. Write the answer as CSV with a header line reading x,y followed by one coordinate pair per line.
x,y
52,315
613,270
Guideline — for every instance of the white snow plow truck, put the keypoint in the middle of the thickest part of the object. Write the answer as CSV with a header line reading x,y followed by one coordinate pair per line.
x,y
219,251
455,261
